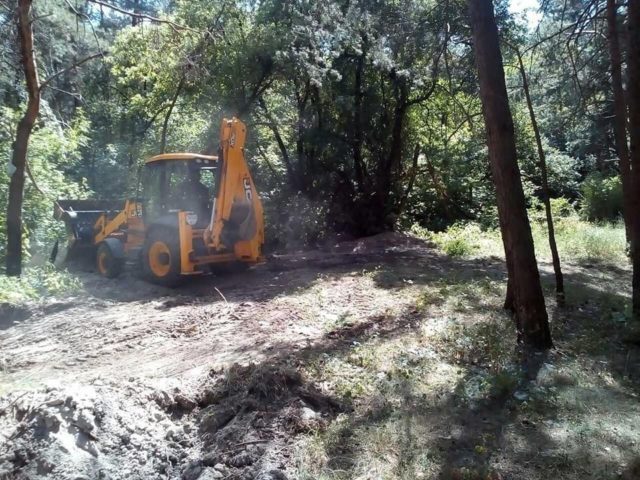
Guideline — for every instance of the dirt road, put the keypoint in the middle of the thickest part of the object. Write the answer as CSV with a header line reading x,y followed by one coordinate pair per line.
x,y
122,336
127,328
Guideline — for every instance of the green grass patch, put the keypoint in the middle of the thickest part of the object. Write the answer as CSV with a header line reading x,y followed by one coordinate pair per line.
x,y
447,396
460,294
35,283
578,240
458,241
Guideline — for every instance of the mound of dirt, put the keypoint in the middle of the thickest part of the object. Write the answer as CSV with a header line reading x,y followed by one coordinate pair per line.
x,y
349,252
250,413
235,424
101,431
381,243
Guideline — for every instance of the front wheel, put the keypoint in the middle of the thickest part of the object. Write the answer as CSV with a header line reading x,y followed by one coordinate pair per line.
x,y
161,258
108,263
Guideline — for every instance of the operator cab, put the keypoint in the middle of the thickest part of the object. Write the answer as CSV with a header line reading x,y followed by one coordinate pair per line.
x,y
177,182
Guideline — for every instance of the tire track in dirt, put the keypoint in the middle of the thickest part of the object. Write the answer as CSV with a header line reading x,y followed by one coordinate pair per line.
x,y
131,380
127,328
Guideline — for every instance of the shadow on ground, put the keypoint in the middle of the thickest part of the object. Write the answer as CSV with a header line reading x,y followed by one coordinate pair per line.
x,y
572,413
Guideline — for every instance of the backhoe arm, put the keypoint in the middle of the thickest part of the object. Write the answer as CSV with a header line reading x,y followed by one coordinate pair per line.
x,y
237,216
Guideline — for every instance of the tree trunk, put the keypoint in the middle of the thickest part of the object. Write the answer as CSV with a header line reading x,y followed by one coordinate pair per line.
x,y
413,173
384,173
620,113
633,65
21,144
304,165
356,142
530,308
135,19
292,174
545,185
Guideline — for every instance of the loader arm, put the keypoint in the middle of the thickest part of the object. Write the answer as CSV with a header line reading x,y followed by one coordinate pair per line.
x,y
237,215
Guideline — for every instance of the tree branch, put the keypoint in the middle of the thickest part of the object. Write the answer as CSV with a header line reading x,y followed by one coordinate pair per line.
x,y
175,26
273,126
264,156
165,125
69,68
86,17
413,172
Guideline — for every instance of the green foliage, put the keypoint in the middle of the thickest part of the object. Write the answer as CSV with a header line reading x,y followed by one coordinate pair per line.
x,y
54,150
35,283
456,241
601,197
580,240
562,208
337,96
301,223
457,247
577,239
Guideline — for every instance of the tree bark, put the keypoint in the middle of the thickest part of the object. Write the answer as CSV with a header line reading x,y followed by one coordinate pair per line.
x,y
531,313
292,174
633,66
557,269
135,19
413,173
356,143
302,156
620,113
21,144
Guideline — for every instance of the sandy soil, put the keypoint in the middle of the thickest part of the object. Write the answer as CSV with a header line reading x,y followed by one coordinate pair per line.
x,y
107,351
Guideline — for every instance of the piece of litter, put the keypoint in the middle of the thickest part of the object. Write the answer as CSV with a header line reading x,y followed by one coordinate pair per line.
x,y
521,396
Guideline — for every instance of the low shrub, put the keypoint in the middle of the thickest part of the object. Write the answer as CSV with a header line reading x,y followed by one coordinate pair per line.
x,y
560,208
457,241
457,247
35,283
580,240
601,198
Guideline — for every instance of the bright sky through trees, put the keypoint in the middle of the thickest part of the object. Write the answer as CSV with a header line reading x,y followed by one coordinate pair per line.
x,y
528,9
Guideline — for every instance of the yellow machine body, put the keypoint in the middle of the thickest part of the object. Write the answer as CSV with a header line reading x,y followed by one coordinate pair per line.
x,y
179,242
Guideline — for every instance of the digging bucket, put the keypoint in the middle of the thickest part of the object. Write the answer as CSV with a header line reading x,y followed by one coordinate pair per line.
x,y
79,217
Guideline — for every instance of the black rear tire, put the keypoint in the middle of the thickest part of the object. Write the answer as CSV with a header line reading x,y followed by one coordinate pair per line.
x,y
161,257
108,264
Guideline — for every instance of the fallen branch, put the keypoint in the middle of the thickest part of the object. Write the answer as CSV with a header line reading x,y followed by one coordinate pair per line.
x,y
90,435
220,293
4,409
251,442
244,444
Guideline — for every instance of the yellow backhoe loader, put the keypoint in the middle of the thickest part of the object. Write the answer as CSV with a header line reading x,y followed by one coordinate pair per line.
x,y
193,212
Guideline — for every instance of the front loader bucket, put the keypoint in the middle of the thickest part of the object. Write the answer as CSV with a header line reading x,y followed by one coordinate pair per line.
x,y
79,217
